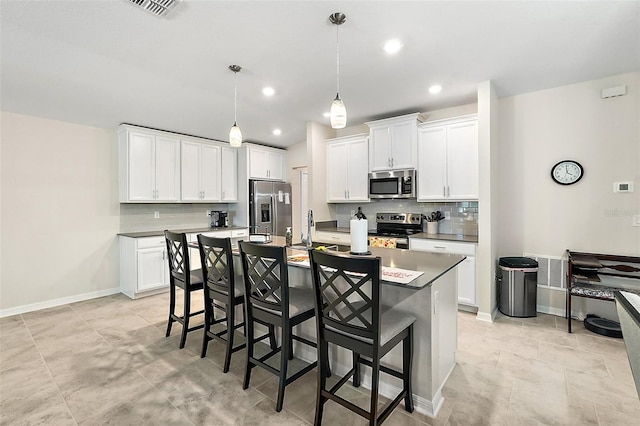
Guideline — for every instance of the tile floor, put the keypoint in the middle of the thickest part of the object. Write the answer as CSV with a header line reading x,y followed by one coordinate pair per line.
x,y
106,361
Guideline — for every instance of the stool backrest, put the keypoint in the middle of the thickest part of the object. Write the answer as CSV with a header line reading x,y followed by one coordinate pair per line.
x,y
266,278
347,293
178,256
216,259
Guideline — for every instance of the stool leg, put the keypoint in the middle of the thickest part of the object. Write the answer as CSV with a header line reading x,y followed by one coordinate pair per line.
x,y
356,367
322,380
249,365
407,368
185,322
272,337
172,306
231,318
284,360
375,379
207,323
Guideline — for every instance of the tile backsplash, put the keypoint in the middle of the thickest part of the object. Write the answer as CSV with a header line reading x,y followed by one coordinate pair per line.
x,y
463,221
140,217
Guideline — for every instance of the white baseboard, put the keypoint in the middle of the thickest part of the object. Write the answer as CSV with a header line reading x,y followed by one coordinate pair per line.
x,y
483,316
551,310
57,302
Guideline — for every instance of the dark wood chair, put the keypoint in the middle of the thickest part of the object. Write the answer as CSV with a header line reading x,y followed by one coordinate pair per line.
x,y
270,300
180,275
223,290
349,314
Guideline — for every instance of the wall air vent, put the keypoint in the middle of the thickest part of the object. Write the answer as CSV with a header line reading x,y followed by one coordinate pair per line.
x,y
157,7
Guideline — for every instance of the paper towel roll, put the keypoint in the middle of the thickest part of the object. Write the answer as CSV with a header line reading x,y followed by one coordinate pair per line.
x,y
359,235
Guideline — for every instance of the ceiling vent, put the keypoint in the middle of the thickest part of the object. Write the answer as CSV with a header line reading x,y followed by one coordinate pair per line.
x,y
157,7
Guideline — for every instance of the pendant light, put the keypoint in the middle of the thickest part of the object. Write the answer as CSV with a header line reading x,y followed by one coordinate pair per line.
x,y
235,135
338,115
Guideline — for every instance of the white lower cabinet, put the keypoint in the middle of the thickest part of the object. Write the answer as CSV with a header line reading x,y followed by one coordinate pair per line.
x,y
467,288
144,268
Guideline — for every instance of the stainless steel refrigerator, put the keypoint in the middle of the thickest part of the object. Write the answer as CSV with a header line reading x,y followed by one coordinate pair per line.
x,y
269,207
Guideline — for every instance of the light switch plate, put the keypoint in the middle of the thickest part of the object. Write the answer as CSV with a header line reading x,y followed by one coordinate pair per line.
x,y
636,220
156,215
622,186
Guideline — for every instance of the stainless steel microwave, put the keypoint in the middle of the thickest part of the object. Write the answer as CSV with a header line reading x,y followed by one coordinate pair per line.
x,y
392,184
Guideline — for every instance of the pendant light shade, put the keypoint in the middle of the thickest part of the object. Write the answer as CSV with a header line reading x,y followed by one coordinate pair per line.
x,y
338,111
235,135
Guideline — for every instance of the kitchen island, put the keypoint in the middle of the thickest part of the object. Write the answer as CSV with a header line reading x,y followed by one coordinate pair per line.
x,y
431,298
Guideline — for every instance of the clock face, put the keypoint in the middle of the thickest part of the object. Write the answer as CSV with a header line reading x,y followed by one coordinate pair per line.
x,y
567,172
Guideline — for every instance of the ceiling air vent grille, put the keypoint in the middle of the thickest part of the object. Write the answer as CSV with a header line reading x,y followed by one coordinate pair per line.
x,y
157,7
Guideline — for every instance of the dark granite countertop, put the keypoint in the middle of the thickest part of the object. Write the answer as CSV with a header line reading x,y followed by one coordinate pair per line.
x,y
160,232
423,235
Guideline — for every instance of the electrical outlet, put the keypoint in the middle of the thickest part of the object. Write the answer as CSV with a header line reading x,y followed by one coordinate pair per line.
x,y
636,220
353,213
447,215
208,213
156,215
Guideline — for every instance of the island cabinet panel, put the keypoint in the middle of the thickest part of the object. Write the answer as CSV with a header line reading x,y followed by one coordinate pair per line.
x,y
149,167
466,270
144,268
347,169
266,163
393,143
448,159
200,172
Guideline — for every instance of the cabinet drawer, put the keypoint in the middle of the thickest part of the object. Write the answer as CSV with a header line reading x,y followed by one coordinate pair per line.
x,y
438,246
333,237
239,232
148,242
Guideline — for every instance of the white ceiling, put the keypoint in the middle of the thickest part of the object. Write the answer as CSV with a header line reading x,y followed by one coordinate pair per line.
x,y
101,63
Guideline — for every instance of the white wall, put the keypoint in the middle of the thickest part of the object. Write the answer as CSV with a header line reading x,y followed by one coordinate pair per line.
x,y
488,200
60,211
317,134
296,159
571,122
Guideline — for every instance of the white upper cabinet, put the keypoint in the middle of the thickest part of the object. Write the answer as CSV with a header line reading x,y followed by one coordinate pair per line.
x,y
448,159
266,163
149,166
200,172
164,167
229,175
393,142
347,169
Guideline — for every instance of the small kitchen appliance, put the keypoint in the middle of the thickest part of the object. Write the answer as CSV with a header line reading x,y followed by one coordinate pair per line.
x,y
219,219
398,226
392,184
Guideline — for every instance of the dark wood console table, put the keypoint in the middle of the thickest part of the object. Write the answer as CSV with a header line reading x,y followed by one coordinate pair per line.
x,y
590,275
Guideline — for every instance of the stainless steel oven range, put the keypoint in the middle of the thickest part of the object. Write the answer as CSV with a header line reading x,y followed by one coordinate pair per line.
x,y
399,226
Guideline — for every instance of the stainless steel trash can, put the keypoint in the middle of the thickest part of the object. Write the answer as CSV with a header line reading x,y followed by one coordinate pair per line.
x,y
517,284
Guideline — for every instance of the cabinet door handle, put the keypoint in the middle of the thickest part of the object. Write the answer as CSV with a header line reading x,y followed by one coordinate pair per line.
x,y
444,191
448,192
348,195
391,161
440,247
223,195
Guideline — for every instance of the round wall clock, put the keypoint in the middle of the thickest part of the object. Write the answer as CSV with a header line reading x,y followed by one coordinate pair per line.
x,y
567,172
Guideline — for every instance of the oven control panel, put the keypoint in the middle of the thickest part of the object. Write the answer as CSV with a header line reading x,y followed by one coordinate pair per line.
x,y
399,218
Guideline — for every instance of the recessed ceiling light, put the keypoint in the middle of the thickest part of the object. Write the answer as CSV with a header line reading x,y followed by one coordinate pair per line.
x,y
268,91
326,114
393,46
277,132
435,89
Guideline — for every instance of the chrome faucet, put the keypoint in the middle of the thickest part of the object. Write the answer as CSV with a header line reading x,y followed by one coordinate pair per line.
x,y
310,223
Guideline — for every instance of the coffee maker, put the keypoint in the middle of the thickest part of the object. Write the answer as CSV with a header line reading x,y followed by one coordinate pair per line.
x,y
219,219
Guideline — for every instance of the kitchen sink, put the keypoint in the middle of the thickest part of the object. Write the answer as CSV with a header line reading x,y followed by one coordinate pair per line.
x,y
332,247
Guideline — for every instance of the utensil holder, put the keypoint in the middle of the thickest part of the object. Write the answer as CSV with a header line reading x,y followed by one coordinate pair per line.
x,y
432,227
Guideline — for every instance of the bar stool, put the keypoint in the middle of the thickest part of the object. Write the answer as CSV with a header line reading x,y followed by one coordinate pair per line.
x,y
223,290
269,299
180,275
349,314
